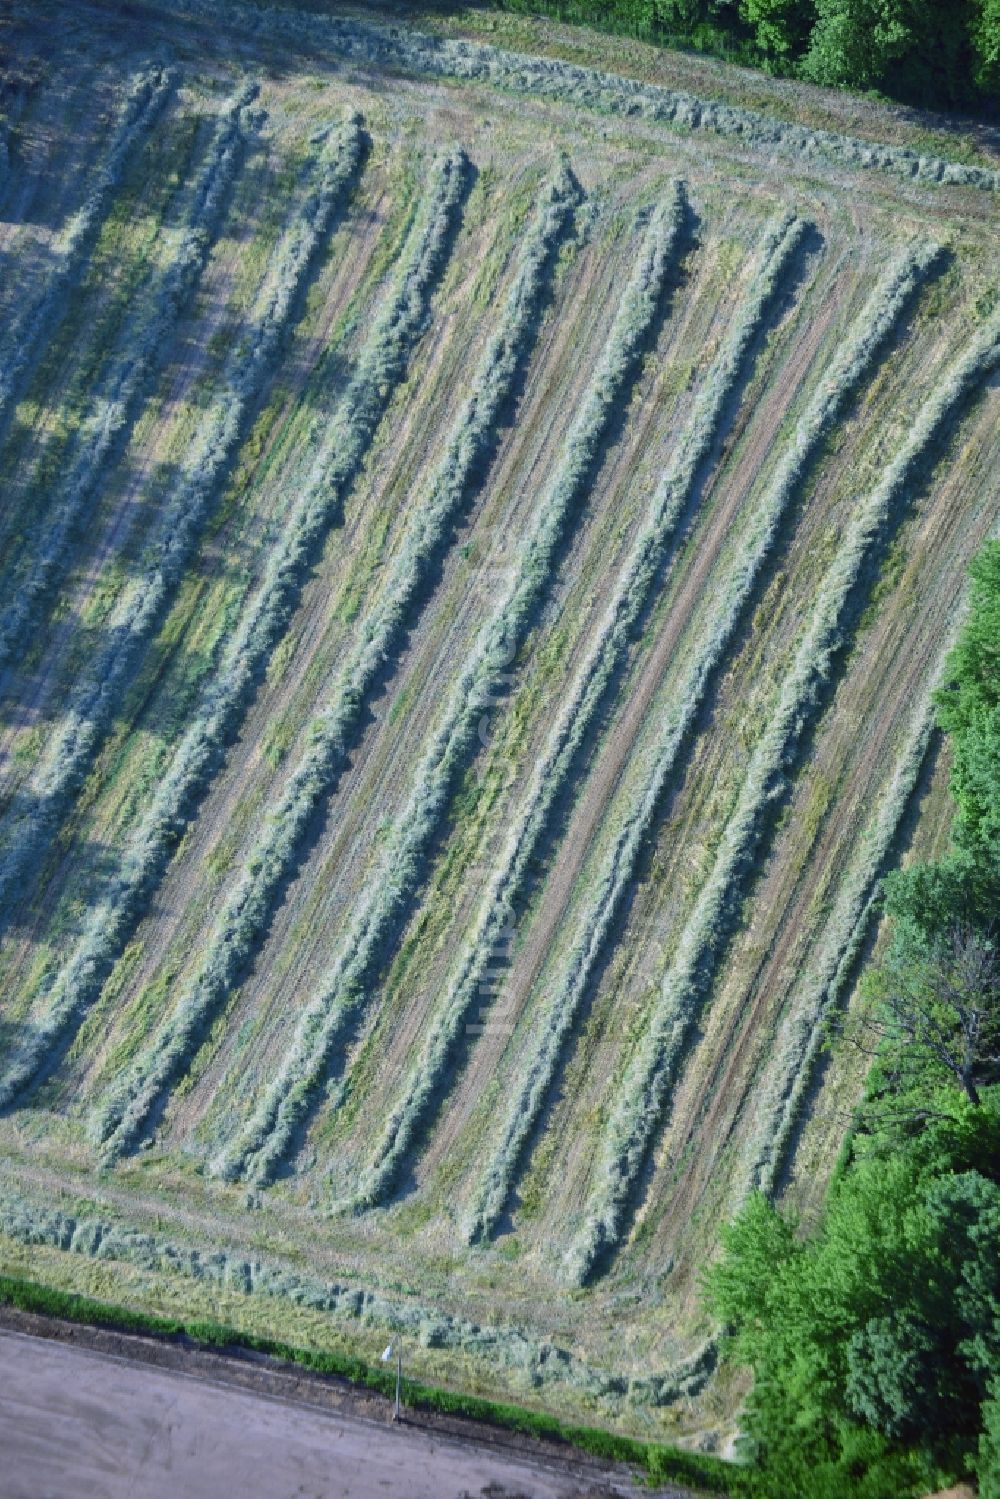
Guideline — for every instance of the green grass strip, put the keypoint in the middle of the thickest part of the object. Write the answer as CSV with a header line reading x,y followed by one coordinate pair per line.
x,y
656,1460
402,49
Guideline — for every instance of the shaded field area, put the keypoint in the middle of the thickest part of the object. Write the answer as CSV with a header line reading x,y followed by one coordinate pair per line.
x,y
478,542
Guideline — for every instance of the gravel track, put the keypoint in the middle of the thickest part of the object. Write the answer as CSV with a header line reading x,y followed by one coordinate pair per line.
x,y
142,1420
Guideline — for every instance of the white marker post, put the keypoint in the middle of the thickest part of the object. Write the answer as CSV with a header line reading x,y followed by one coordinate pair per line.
x,y
387,1355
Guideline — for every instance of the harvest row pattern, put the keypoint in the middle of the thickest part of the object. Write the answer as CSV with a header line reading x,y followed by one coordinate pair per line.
x,y
266,1134
122,1113
553,1025
643,1095
657,542
830,969
313,1069
325,756
33,816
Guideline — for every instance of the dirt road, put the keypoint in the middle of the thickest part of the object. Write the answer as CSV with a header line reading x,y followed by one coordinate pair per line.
x,y
81,1422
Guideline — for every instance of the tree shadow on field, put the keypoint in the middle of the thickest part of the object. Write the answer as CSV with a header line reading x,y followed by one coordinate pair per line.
x,y
127,658
18,1037
36,137
187,347
71,646
44,821
12,1035
67,876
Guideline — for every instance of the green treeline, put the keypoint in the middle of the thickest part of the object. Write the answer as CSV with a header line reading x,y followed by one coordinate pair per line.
x,y
943,53
875,1340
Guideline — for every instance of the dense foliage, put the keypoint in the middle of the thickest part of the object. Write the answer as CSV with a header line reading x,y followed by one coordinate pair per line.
x,y
875,1342
943,52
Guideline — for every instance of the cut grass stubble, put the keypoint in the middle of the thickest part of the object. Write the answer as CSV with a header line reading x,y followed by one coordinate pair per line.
x,y
556,1017
382,364
134,620
346,987
642,1098
657,543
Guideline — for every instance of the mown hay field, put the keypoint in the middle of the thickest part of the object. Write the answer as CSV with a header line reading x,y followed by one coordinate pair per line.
x,y
478,540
